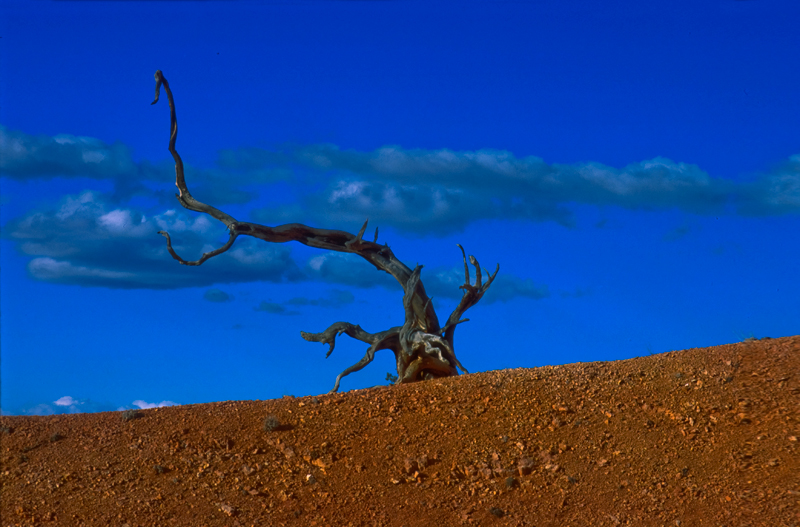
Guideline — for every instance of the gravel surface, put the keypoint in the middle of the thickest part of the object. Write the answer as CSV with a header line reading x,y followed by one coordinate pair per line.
x,y
687,438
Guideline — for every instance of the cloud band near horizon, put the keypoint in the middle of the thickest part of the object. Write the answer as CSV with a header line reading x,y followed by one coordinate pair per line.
x,y
85,242
418,191
95,239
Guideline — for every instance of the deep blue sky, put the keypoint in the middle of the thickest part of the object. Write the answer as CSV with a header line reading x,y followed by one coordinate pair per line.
x,y
634,167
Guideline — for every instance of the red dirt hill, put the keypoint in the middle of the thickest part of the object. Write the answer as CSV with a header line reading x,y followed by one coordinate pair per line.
x,y
686,438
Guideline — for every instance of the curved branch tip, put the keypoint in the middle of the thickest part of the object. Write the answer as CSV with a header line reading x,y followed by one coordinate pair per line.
x,y
466,268
159,79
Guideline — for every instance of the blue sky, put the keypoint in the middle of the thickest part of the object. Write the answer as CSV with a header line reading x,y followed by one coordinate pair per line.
x,y
634,168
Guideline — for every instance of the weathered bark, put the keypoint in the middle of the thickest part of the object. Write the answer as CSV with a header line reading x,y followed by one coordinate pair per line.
x,y
423,349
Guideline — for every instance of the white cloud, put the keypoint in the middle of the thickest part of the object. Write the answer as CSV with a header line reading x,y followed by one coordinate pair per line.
x,y
71,405
65,405
442,282
348,269
346,190
777,192
316,262
93,239
116,220
52,270
87,242
416,190
66,401
446,283
83,242
437,192
73,204
24,156
94,157
145,405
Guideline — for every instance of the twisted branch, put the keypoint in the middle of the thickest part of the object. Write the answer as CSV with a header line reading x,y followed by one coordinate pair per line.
x,y
205,256
472,295
380,256
384,340
184,195
422,348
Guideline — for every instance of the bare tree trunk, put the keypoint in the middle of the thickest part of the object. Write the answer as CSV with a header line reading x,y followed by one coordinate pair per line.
x,y
423,349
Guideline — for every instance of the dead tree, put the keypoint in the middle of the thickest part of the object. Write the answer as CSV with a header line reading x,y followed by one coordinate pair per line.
x,y
422,347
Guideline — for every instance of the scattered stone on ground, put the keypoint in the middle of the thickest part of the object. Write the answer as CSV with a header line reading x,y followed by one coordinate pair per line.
x,y
695,437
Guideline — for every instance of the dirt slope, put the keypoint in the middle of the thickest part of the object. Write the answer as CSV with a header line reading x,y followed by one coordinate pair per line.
x,y
696,437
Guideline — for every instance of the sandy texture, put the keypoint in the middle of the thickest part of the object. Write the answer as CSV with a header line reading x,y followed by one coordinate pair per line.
x,y
686,438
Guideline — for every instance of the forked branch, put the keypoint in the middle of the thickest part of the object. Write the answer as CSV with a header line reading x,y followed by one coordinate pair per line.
x,y
422,348
378,341
472,294
205,256
380,256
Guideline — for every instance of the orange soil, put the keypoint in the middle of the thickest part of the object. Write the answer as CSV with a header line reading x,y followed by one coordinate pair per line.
x,y
686,438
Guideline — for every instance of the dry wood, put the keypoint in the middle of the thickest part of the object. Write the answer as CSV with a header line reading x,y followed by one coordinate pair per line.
x,y
423,349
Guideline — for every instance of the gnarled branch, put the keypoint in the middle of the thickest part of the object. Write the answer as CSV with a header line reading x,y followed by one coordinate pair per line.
x,y
422,348
205,256
378,255
472,294
384,340
184,196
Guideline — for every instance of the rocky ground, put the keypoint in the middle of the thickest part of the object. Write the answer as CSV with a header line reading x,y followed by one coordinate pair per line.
x,y
686,438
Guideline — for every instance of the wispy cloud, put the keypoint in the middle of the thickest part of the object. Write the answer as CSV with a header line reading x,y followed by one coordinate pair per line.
x,y
71,405
348,269
27,157
445,283
66,405
275,309
418,191
578,292
24,156
86,241
442,191
441,282
144,405
66,401
334,299
677,233
217,295
437,192
93,239
777,192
